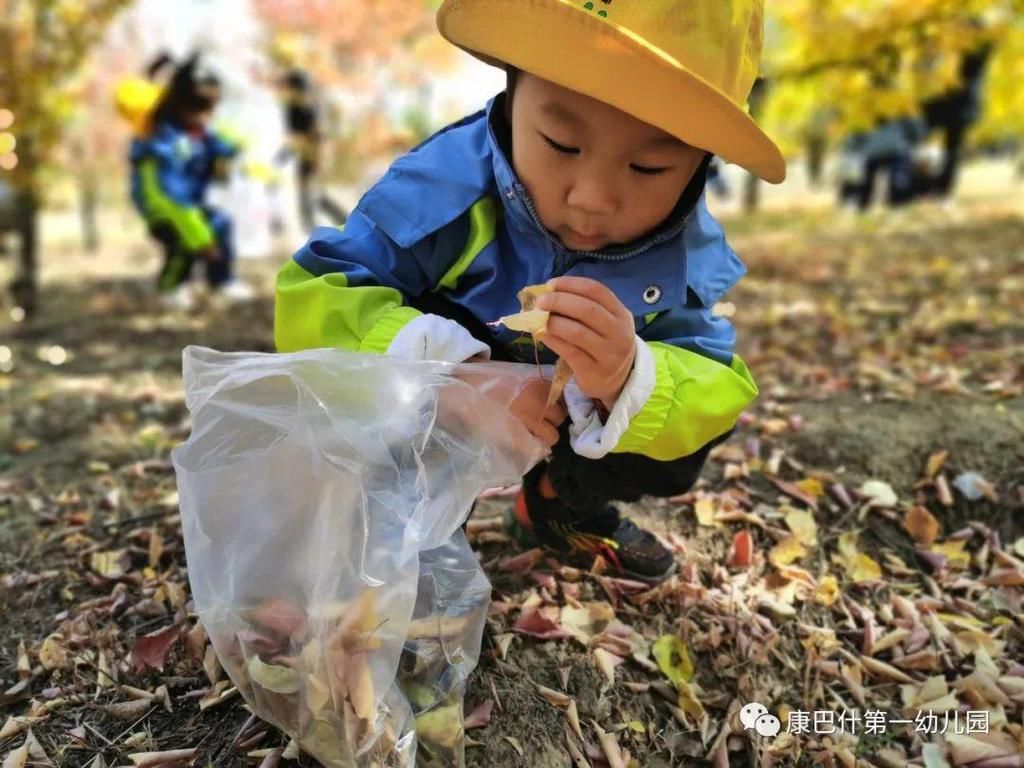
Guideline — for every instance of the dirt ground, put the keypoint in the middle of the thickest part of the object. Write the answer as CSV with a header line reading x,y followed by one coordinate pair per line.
x,y
877,344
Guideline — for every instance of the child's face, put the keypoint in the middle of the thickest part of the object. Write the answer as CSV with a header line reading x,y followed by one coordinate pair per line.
x,y
597,176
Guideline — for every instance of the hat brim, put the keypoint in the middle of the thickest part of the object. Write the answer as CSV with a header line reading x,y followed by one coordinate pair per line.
x,y
576,49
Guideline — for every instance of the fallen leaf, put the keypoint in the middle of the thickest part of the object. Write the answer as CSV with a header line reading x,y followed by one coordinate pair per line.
x,y
150,651
607,662
52,654
110,565
879,493
858,566
273,677
553,697
610,747
742,550
795,492
973,486
953,551
787,551
587,620
921,525
480,716
537,625
522,563
673,658
934,464
512,740
811,486
801,523
705,511
127,710
16,725
17,758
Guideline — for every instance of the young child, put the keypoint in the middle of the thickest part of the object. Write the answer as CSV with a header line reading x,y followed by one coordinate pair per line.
x,y
587,174
173,161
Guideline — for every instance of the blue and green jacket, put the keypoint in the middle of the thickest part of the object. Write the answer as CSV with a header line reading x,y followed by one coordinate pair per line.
x,y
171,171
452,219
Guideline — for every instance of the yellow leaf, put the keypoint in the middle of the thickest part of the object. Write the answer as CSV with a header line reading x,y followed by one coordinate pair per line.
x,y
812,486
787,551
689,703
110,565
533,321
529,295
953,552
801,523
935,462
828,590
858,566
863,568
705,511
921,525
673,659
273,677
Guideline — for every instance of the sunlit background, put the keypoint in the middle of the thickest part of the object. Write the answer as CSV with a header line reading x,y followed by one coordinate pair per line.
x,y
383,80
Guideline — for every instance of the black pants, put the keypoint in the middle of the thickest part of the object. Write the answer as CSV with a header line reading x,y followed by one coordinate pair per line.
x,y
585,485
179,262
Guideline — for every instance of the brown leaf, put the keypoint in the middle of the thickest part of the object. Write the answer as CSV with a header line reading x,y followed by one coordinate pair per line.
x,y
522,563
553,697
742,550
480,716
535,624
922,525
150,651
127,710
795,492
561,377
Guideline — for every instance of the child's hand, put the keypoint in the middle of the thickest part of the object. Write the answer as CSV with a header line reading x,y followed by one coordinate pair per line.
x,y
528,407
593,332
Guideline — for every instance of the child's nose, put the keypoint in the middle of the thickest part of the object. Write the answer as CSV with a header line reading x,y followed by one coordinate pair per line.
x,y
593,195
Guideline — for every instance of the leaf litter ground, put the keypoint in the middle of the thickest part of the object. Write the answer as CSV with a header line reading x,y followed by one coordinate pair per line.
x,y
857,544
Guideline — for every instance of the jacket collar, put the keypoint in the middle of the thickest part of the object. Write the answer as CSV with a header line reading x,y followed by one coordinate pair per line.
x,y
521,212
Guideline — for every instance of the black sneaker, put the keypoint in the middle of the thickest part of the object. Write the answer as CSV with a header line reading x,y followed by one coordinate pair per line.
x,y
626,546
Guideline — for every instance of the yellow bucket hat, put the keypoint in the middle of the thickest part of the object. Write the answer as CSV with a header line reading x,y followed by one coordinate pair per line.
x,y
685,66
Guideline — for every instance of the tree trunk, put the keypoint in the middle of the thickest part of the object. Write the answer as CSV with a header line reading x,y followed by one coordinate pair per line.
x,y
24,287
88,195
751,193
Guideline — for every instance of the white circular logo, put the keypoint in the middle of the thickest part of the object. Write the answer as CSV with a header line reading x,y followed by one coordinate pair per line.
x,y
652,294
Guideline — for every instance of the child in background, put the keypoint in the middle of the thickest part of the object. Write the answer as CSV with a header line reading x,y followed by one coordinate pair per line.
x,y
173,161
587,173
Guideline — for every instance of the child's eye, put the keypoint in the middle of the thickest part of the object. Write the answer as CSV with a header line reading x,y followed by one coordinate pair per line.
x,y
560,147
648,171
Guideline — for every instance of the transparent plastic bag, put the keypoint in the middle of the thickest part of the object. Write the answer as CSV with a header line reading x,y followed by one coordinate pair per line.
x,y
322,494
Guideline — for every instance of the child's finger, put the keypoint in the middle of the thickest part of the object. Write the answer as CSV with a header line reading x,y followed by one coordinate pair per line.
x,y
589,288
575,356
582,335
580,308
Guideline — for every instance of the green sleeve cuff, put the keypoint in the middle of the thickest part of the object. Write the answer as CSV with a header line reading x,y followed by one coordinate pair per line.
x,y
694,400
383,332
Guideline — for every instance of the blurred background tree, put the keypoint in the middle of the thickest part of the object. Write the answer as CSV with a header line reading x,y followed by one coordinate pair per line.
x,y
45,43
841,67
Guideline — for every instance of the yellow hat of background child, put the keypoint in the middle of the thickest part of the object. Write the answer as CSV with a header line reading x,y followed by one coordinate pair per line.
x,y
685,66
136,98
